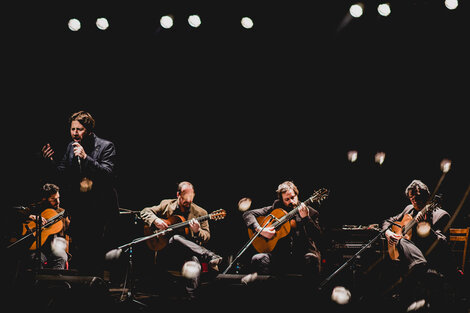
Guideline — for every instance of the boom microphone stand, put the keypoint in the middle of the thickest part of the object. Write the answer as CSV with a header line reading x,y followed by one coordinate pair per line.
x,y
271,217
128,247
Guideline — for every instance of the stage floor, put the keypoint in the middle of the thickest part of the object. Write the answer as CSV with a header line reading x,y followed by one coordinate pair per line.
x,y
49,292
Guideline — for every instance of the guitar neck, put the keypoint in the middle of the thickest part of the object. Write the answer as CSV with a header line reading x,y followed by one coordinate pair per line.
x,y
185,223
286,217
316,197
53,219
413,222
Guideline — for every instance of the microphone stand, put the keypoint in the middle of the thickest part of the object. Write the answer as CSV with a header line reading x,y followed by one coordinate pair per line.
x,y
130,270
271,217
37,255
368,245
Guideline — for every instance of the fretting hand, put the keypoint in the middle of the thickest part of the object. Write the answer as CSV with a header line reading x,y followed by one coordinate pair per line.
x,y
303,210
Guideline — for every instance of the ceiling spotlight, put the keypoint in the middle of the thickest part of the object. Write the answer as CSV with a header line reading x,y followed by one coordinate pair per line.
x,y
384,9
451,4
74,24
356,10
352,156
102,23
379,157
247,22
194,21
166,21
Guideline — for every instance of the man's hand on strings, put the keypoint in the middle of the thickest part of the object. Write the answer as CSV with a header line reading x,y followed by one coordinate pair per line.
x,y
392,237
268,232
194,225
42,218
160,224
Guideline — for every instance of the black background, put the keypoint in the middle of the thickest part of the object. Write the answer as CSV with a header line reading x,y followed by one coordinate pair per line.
x,y
237,111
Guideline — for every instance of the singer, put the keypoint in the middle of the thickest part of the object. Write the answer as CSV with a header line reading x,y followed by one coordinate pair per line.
x,y
86,173
298,252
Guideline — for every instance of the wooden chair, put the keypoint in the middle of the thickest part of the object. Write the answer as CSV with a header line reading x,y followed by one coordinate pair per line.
x,y
459,243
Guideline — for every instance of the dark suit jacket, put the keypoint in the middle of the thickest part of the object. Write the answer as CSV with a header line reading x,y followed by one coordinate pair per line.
x,y
96,207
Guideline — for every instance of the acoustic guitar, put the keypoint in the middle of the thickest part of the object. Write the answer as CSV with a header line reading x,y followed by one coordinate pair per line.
x,y
53,225
281,221
405,226
176,222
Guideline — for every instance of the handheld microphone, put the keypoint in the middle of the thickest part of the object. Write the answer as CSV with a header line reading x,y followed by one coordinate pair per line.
x,y
78,159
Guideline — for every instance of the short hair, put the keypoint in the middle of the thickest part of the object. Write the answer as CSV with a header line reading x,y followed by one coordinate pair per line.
x,y
183,184
48,190
285,186
416,185
85,119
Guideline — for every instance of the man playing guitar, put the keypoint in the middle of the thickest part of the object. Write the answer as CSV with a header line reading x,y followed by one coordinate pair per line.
x,y
53,249
298,250
186,245
420,250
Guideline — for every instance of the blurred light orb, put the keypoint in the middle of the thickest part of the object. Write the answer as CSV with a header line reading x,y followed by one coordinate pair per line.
x,y
74,24
102,23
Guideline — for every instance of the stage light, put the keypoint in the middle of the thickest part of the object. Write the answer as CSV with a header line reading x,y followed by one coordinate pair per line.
x,y
356,10
451,4
191,269
384,9
74,24
423,229
247,22
445,165
194,20
102,23
352,156
244,204
341,295
379,157
166,21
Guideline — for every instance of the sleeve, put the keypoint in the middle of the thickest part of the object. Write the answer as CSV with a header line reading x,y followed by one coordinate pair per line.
x,y
388,222
105,164
204,233
312,223
440,225
150,214
250,216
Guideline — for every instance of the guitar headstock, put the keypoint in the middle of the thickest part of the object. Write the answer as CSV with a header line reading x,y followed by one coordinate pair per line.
x,y
319,195
434,204
218,214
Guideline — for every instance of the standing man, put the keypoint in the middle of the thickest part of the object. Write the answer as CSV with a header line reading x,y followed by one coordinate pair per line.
x,y
87,173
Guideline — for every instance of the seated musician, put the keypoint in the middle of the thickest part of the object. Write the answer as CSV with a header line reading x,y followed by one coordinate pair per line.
x,y
186,244
299,250
424,249
53,253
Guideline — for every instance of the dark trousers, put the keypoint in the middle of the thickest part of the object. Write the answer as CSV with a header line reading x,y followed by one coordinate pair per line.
x,y
179,251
